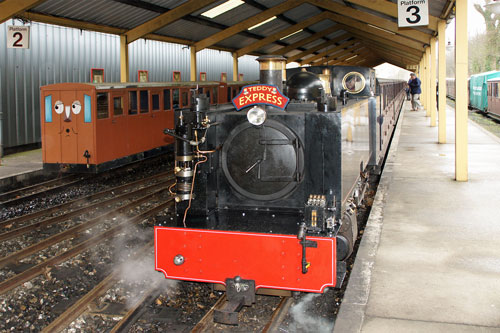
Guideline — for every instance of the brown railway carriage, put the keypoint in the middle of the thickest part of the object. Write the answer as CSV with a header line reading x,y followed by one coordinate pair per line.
x,y
91,127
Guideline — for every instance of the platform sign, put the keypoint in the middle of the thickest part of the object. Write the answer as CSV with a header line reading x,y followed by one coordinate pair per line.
x,y
413,13
18,37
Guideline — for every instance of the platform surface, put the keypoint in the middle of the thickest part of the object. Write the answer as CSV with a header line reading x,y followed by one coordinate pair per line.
x,y
21,163
429,260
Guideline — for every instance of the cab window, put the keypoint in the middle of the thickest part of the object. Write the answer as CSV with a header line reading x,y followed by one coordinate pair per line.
x,y
132,102
144,101
102,106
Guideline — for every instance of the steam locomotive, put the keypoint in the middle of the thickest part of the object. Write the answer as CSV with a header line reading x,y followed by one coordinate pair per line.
x,y
266,191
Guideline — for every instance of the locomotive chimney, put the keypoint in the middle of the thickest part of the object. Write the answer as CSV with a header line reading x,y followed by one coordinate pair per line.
x,y
272,70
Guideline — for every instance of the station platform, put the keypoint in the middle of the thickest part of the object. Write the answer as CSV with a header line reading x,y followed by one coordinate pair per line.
x,y
429,260
20,167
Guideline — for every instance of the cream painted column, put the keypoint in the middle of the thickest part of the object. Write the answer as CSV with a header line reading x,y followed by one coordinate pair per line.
x,y
192,67
442,81
427,82
423,80
432,82
461,112
235,66
124,72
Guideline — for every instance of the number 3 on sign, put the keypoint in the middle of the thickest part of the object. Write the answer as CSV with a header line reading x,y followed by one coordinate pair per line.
x,y
412,13
18,37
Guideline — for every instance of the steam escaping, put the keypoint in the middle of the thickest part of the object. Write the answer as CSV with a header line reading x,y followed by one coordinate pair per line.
x,y
304,321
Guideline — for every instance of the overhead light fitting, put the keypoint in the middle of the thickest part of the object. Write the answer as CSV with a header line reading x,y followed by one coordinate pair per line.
x,y
354,56
293,33
262,23
222,8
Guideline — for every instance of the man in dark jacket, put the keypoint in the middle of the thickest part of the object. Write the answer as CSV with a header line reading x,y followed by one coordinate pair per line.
x,y
415,91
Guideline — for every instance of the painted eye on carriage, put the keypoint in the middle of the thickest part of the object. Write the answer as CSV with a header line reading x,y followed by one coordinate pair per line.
x,y
59,107
76,107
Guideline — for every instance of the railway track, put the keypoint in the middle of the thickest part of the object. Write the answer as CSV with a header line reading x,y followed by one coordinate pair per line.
x,y
47,187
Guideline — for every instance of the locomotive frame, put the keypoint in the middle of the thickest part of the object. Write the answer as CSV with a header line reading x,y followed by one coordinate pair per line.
x,y
267,199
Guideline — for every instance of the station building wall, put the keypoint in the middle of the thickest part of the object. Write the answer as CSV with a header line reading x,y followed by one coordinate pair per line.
x,y
59,54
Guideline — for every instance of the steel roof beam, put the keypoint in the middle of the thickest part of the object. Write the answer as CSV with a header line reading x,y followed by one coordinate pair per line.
x,y
371,19
245,24
166,18
11,8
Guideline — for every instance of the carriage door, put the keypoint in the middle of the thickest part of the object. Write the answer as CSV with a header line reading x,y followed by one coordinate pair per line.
x,y
69,123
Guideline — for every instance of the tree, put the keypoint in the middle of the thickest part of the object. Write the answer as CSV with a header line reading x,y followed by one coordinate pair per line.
x,y
491,57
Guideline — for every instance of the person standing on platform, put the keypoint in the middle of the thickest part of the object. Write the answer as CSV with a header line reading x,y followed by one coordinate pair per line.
x,y
415,91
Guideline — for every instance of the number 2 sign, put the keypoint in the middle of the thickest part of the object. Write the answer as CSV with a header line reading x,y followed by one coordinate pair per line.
x,y
18,37
412,13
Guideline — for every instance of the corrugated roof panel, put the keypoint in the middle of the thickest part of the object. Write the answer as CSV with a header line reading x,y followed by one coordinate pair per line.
x,y
236,15
97,11
322,25
236,42
169,4
270,3
187,30
302,12
295,38
270,27
213,5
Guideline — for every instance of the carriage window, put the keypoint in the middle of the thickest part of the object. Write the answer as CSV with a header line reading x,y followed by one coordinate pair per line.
x,y
166,99
117,106
208,95
175,97
132,102
185,99
216,101
102,106
228,94
495,89
144,101
200,90
155,100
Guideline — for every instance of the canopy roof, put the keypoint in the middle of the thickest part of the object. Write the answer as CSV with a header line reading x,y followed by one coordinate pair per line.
x,y
354,32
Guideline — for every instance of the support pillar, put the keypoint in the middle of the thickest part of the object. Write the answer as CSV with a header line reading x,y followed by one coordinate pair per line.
x,y
442,81
235,66
422,80
461,71
193,63
124,72
432,82
427,82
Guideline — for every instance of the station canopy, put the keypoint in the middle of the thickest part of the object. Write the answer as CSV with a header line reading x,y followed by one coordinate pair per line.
x,y
315,32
